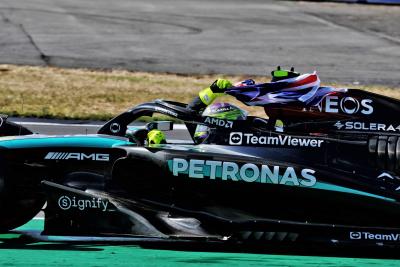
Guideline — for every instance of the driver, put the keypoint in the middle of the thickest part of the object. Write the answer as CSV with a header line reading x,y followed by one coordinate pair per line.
x,y
207,96
221,111
199,103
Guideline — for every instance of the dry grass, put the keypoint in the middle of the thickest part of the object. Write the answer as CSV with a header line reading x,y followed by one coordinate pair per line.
x,y
86,94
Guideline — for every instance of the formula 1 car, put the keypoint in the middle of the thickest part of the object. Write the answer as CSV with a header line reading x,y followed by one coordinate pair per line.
x,y
329,175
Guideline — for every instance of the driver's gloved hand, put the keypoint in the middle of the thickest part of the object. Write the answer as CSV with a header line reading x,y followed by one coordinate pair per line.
x,y
209,94
220,85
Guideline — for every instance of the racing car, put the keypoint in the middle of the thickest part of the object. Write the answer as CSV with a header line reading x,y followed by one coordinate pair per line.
x,y
328,175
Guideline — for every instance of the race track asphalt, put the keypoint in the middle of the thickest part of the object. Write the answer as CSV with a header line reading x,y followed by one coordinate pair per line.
x,y
346,43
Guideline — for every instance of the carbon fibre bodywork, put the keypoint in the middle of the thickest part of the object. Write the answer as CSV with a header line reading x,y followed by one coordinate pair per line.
x,y
330,175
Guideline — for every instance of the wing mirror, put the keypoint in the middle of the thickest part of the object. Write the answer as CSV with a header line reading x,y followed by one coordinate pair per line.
x,y
160,125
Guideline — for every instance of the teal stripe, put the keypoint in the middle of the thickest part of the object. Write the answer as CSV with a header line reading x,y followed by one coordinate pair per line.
x,y
331,187
62,141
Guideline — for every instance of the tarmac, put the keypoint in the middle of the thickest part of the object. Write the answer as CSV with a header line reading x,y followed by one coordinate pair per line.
x,y
346,43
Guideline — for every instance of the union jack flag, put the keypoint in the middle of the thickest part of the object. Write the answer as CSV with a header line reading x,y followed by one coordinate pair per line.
x,y
304,89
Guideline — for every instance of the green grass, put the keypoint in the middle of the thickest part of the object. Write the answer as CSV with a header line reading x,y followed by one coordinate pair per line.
x,y
14,252
99,95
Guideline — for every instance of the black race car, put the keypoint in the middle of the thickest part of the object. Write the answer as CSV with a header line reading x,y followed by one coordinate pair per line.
x,y
329,174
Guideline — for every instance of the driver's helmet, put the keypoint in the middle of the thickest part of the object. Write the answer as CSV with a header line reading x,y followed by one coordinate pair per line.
x,y
221,111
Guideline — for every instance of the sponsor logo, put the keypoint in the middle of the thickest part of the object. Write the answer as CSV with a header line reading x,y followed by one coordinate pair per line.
x,y
248,172
223,109
77,156
373,237
355,235
339,125
237,138
67,203
166,111
385,174
348,105
366,126
115,127
219,122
